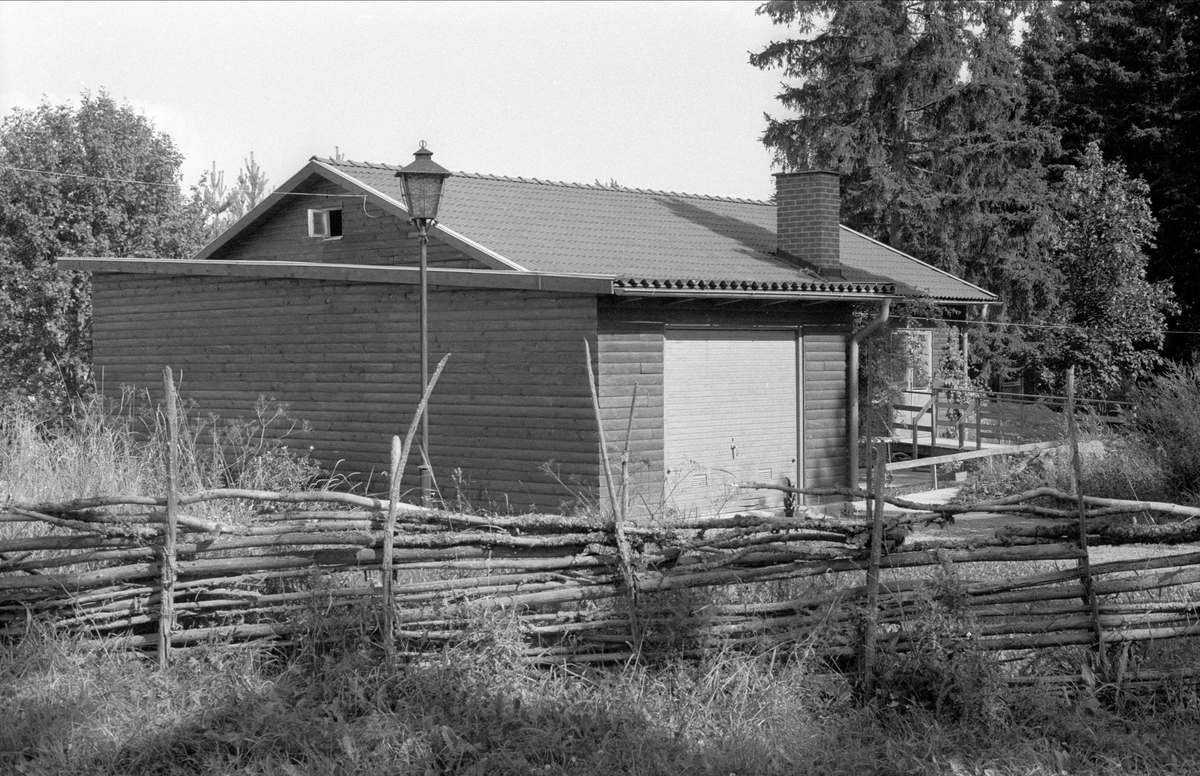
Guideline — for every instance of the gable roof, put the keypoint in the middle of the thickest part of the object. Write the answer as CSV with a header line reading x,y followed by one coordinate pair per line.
x,y
647,241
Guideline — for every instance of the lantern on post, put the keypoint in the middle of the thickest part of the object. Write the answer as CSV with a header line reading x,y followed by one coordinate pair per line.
x,y
422,183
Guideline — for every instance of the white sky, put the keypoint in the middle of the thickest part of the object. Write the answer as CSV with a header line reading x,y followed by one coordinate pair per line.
x,y
654,95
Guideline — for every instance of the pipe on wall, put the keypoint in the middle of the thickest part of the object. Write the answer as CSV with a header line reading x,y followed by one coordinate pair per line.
x,y
852,410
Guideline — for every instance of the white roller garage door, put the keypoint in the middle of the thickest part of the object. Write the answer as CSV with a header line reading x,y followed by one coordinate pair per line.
x,y
730,414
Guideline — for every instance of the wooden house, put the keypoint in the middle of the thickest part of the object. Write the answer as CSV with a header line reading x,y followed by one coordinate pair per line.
x,y
729,318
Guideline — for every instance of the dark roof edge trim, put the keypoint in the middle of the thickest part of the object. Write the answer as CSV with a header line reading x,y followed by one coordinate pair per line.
x,y
991,298
356,273
696,293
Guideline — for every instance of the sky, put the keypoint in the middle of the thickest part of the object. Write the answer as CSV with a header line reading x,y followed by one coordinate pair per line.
x,y
656,95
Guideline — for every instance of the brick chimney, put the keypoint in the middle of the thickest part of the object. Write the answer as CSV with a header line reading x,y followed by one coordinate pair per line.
x,y
807,208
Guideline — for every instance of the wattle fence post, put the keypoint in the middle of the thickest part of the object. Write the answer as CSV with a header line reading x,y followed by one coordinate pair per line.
x,y
168,571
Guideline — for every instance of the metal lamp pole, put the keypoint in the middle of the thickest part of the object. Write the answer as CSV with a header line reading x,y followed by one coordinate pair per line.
x,y
422,183
426,477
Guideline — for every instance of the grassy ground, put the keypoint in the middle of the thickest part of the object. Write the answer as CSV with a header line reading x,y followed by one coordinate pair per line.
x,y
66,709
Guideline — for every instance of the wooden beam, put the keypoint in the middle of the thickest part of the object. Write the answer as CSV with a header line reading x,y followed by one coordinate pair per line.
x,y
920,463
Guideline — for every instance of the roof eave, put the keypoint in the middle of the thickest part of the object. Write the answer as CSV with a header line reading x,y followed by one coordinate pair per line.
x,y
992,298
356,273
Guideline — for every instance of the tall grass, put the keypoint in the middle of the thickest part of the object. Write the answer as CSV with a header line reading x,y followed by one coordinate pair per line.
x,y
92,453
1168,417
107,447
1123,466
67,709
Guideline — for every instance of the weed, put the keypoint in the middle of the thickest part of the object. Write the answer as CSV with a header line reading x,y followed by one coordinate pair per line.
x,y
68,708
117,448
1119,466
943,672
1168,416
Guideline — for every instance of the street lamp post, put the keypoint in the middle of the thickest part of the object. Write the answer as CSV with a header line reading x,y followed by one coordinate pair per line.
x,y
422,183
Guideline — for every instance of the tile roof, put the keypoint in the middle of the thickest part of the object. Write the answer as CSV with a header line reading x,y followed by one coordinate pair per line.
x,y
654,239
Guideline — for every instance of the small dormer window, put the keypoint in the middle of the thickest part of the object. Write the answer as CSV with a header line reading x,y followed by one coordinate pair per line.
x,y
326,224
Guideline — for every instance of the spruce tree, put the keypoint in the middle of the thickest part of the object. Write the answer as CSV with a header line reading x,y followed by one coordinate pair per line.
x,y
921,108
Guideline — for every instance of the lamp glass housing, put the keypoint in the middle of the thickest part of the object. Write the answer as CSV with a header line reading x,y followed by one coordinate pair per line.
x,y
422,183
422,195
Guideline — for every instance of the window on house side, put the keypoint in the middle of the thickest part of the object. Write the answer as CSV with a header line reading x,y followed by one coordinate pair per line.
x,y
326,224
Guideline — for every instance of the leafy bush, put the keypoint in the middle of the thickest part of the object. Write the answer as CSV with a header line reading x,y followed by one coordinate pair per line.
x,y
1168,416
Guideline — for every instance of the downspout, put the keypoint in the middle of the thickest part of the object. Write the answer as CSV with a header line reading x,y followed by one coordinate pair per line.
x,y
852,388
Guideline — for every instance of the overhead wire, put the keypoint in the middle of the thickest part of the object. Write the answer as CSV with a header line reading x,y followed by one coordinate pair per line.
x,y
362,197
87,177
1053,326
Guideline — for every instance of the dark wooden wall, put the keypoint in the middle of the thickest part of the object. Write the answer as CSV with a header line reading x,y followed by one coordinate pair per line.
x,y
345,356
370,235
630,347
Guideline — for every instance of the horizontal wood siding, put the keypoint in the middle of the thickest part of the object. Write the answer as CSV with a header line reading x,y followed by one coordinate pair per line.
x,y
369,235
631,353
631,347
346,357
825,450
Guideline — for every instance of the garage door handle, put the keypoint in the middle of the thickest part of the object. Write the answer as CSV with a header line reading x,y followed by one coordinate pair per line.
x,y
733,449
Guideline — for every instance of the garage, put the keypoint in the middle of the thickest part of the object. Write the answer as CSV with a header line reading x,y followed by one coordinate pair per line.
x,y
730,414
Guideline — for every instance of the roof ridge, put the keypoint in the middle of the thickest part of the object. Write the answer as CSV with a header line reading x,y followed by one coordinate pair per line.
x,y
352,163
562,184
622,189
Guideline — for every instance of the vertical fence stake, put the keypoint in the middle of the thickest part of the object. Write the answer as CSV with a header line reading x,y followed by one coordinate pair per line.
x,y
875,485
978,424
167,568
398,461
1084,563
625,457
623,548
389,541
933,423
962,426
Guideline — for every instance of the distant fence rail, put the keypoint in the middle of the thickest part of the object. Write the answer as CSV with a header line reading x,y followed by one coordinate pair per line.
x,y
967,419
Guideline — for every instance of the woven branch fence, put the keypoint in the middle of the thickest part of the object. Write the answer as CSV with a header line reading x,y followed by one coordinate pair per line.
x,y
320,554
158,574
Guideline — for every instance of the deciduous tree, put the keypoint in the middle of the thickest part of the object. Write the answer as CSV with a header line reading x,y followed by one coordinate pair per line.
x,y
1113,318
92,180
1127,75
